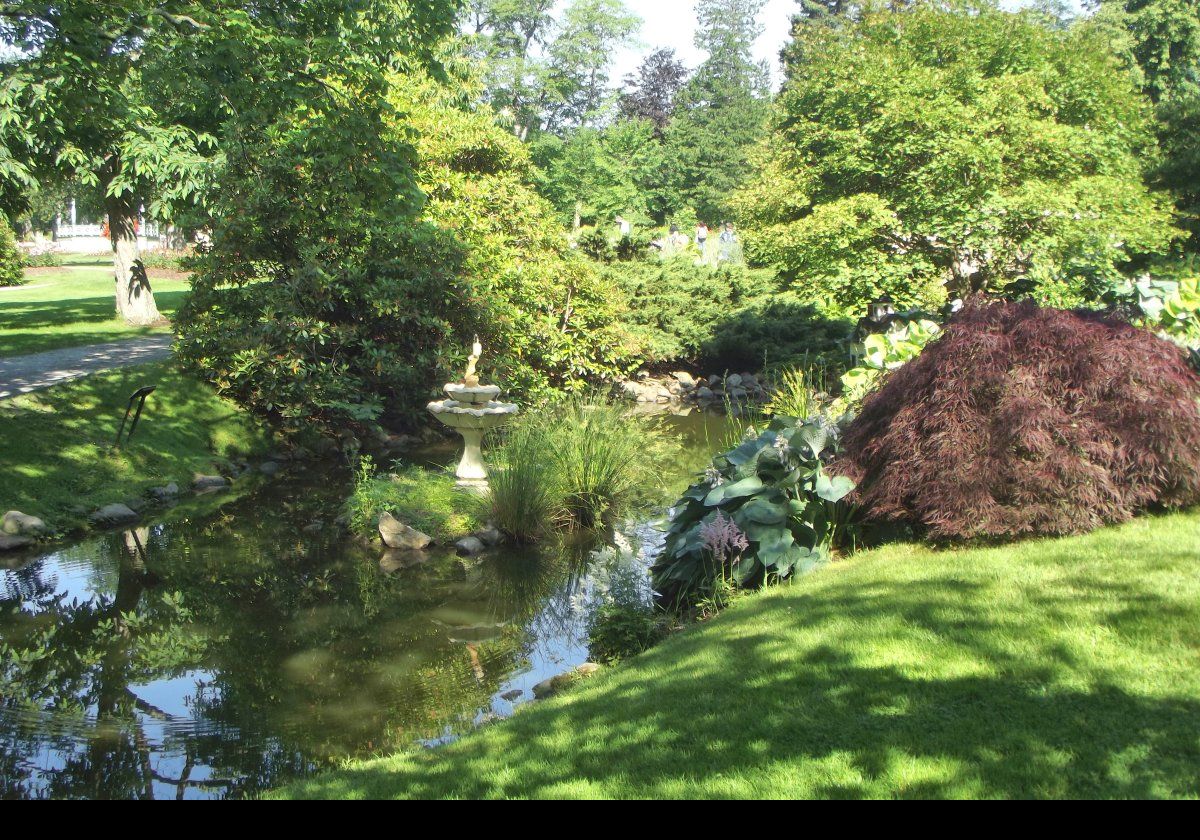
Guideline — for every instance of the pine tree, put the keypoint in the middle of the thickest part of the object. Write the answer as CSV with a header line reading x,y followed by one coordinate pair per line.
x,y
721,111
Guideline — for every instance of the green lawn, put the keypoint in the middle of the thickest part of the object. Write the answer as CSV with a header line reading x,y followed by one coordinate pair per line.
x,y
1057,668
73,305
56,453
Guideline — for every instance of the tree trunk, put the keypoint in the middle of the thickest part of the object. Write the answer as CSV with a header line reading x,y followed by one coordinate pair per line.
x,y
135,301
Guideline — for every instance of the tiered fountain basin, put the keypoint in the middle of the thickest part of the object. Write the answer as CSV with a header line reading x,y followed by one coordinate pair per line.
x,y
471,410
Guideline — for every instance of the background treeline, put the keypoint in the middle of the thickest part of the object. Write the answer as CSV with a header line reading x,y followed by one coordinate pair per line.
x,y
380,180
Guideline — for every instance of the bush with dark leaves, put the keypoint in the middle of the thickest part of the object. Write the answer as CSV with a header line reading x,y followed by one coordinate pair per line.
x,y
1021,421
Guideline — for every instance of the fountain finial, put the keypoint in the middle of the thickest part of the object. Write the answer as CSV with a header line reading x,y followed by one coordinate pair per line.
x,y
470,378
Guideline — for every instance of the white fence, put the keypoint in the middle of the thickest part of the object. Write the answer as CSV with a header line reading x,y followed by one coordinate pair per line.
x,y
146,230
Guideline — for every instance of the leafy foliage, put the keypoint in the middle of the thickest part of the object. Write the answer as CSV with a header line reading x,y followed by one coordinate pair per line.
x,y
721,111
546,72
677,305
1021,420
773,489
882,352
1179,170
617,632
1169,307
595,175
547,318
650,94
1162,40
779,329
364,240
12,265
932,150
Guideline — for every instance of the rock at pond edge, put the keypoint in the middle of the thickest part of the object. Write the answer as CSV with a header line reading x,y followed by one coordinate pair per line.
x,y
396,534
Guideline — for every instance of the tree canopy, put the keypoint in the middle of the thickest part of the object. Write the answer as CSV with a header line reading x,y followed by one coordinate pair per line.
x,y
926,152
720,112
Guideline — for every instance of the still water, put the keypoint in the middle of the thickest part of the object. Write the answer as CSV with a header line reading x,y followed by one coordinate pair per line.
x,y
216,657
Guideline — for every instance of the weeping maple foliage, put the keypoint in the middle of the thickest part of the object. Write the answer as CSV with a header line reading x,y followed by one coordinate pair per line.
x,y
1022,420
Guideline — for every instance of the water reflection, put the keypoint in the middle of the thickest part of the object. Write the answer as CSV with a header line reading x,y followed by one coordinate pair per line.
x,y
216,658
219,657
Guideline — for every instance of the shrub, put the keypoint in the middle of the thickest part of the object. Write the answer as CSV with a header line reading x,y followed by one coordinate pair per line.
x,y
425,500
42,255
617,632
764,511
1021,420
358,244
546,316
166,260
675,305
595,245
12,265
777,330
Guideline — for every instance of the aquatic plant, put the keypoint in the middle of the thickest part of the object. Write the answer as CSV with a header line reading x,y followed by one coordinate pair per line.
x,y
523,499
423,499
581,462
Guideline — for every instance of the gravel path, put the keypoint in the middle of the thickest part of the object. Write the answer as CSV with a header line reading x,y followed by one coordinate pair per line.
x,y
21,374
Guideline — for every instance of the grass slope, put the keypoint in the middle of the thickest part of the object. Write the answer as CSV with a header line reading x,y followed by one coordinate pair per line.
x,y
1056,668
56,453
73,305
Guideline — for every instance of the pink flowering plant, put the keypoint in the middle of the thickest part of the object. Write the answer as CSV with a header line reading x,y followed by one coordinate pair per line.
x,y
763,511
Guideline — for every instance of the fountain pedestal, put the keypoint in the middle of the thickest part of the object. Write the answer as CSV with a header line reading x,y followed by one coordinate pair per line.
x,y
471,410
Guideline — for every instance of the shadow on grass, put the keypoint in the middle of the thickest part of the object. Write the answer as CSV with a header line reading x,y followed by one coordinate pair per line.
x,y
41,314
867,686
56,446
37,326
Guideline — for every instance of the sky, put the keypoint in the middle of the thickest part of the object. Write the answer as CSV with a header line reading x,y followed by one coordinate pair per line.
x,y
672,23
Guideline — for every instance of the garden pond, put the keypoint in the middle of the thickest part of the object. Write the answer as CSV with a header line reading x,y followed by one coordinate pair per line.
x,y
220,655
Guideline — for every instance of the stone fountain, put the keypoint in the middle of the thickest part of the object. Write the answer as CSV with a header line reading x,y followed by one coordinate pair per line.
x,y
471,410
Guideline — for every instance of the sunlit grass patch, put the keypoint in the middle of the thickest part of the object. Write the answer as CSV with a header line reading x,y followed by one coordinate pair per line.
x,y
57,454
1047,668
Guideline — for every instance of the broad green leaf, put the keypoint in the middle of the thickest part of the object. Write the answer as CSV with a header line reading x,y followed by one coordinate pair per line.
x,y
735,490
833,489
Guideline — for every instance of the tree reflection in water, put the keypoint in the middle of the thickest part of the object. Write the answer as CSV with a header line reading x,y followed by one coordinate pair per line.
x,y
217,658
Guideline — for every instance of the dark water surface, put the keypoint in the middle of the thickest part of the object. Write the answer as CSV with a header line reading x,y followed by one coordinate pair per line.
x,y
219,656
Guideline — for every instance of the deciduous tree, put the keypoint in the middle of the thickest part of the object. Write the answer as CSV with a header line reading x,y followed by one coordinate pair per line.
x,y
930,151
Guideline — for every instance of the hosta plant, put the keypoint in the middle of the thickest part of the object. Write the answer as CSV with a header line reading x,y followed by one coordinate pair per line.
x,y
883,352
765,510
1170,308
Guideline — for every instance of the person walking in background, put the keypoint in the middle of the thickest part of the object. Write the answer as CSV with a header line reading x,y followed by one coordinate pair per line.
x,y
727,242
624,229
701,235
677,241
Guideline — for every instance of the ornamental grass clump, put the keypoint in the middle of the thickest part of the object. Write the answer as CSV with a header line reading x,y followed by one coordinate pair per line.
x,y
582,462
1020,421
523,497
